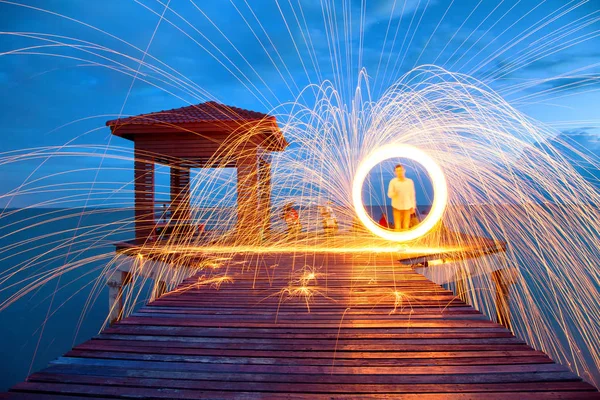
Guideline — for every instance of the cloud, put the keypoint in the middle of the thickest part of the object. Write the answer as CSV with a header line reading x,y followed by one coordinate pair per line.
x,y
562,85
581,146
574,143
563,59
394,9
573,83
556,71
587,138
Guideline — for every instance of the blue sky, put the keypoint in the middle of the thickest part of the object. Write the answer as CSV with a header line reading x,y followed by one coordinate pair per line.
x,y
76,68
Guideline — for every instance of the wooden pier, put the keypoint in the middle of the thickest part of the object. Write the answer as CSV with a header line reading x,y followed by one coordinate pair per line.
x,y
375,329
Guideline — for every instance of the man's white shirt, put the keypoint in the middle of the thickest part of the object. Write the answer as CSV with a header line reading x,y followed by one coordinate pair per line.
x,y
402,194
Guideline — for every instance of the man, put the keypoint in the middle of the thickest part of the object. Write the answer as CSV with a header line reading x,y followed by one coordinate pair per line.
x,y
291,218
330,223
404,202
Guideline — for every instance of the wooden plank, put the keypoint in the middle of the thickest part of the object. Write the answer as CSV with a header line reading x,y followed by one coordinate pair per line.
x,y
221,383
313,396
232,365
325,334
344,361
53,396
340,343
153,370
165,393
300,359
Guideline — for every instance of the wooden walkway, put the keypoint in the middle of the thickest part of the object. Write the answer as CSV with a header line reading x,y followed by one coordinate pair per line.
x,y
375,329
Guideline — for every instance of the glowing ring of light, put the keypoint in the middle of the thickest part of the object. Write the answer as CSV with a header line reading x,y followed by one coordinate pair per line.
x,y
440,191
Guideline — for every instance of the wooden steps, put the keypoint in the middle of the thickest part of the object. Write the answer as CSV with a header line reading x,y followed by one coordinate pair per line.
x,y
375,330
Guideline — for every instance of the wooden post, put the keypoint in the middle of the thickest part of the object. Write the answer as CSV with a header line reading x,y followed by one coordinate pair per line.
x,y
248,227
115,300
180,194
461,282
265,195
144,197
503,279
160,288
115,295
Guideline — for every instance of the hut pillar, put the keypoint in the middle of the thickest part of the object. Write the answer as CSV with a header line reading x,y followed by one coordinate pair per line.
x,y
248,226
180,194
264,168
144,197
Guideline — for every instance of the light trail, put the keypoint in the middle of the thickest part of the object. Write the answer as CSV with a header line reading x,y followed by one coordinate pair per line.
x,y
509,177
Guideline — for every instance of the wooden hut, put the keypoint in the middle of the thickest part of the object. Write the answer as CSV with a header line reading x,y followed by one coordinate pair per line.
x,y
206,135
